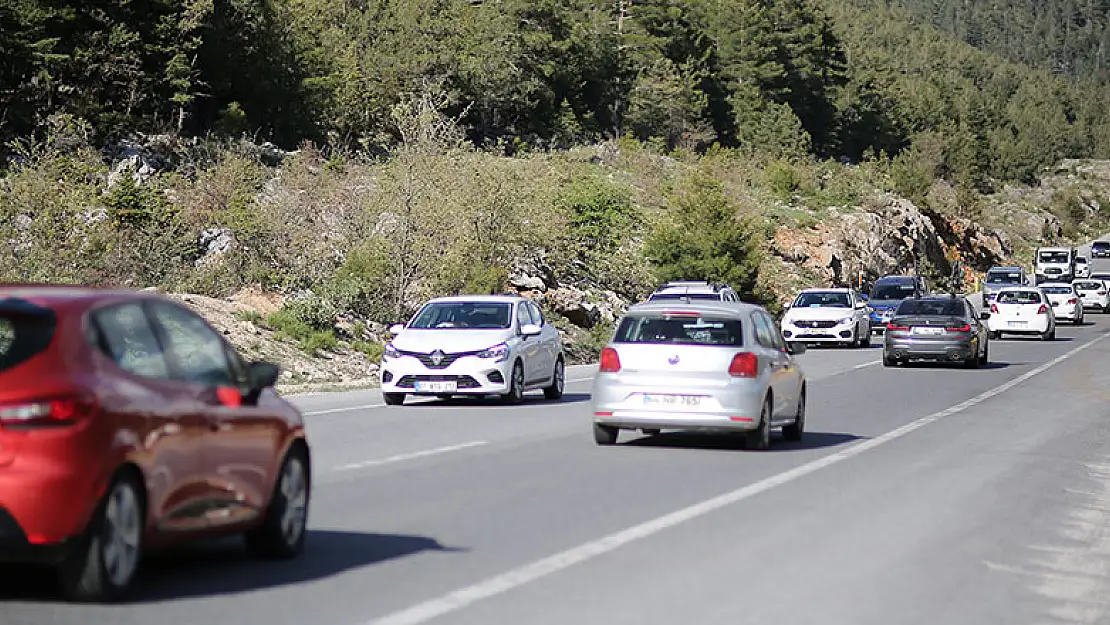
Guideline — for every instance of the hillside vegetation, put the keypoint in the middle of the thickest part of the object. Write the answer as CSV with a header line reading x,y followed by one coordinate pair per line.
x,y
352,158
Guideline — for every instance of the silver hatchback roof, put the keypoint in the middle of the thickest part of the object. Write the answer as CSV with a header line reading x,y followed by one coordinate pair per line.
x,y
703,307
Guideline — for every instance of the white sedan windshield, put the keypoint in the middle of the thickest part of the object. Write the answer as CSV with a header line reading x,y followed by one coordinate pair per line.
x,y
464,315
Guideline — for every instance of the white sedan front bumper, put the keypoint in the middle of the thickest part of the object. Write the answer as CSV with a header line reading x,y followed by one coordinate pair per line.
x,y
818,331
416,374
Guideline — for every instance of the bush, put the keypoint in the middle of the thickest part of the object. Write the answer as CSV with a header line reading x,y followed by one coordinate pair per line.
x,y
1069,207
784,179
372,350
705,238
600,213
309,322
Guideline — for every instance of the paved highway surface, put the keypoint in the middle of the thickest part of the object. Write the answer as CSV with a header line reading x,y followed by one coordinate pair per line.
x,y
920,496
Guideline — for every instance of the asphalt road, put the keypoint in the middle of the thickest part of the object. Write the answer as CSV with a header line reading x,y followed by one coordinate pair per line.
x,y
920,495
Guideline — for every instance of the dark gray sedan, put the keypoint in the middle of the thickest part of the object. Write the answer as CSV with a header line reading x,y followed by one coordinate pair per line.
x,y
944,329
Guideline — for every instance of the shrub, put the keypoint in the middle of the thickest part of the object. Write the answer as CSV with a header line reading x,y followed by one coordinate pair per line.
x,y
289,324
372,350
783,179
704,237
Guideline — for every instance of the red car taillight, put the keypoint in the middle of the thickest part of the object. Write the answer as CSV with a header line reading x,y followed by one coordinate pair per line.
x,y
610,361
964,328
994,309
47,411
1043,310
1072,300
891,326
1100,292
744,365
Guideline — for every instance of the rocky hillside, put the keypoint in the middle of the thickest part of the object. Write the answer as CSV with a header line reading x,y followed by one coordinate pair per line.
x,y
808,244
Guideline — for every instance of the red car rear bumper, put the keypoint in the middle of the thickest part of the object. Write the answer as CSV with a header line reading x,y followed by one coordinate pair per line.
x,y
42,513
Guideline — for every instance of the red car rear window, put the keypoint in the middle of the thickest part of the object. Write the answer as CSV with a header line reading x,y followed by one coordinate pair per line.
x,y
25,331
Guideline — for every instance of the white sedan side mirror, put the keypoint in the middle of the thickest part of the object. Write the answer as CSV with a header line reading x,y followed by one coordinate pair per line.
x,y
396,329
530,329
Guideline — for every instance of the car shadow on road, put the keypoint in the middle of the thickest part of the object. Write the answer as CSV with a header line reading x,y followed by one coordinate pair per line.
x,y
724,442
221,567
930,364
1032,339
483,402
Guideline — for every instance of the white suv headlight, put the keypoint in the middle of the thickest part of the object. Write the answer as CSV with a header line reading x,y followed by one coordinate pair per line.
x,y
499,353
390,351
845,320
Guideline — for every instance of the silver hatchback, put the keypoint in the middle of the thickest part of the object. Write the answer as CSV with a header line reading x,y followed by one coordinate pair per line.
x,y
709,366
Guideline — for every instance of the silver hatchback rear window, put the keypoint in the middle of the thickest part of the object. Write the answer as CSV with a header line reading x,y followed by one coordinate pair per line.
x,y
680,329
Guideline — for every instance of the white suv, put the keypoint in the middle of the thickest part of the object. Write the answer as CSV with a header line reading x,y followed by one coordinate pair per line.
x,y
694,290
474,345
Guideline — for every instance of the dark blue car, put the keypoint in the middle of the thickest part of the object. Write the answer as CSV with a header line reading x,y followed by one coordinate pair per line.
x,y
887,293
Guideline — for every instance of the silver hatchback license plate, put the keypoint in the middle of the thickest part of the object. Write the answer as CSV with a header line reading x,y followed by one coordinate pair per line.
x,y
672,400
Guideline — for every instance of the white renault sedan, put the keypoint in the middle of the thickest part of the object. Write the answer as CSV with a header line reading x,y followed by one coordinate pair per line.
x,y
1066,302
828,316
709,366
1022,310
474,345
1094,293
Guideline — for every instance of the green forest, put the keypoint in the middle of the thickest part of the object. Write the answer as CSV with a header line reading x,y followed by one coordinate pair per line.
x,y
424,147
844,79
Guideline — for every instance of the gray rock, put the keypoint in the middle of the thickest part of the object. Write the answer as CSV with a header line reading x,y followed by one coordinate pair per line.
x,y
214,243
527,283
573,304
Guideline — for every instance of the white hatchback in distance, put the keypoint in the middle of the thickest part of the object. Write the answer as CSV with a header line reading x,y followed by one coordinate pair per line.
x,y
1066,302
1094,293
1022,310
708,366
835,315
474,345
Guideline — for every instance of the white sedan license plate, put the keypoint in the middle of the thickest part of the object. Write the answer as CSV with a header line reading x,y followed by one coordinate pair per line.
x,y
437,387
928,331
1018,324
672,400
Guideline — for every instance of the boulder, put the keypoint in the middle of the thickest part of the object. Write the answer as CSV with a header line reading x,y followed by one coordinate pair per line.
x,y
573,304
522,282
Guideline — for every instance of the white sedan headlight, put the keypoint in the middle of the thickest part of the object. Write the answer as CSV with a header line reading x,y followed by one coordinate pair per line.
x,y
390,351
845,321
499,353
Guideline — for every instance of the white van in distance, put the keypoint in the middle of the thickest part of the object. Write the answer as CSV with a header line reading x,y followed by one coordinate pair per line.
x,y
1056,264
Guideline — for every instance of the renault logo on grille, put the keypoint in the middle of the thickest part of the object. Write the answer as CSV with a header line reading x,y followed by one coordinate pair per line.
x,y
437,357
673,359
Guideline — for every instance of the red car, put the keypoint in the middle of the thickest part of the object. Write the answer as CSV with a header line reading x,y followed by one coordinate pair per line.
x,y
126,423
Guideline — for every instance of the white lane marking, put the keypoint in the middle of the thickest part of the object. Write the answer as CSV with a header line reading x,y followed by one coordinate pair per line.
x,y
410,456
312,413
867,364
346,409
459,599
